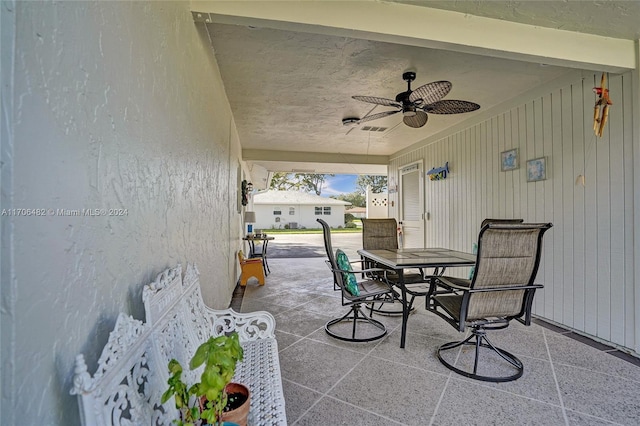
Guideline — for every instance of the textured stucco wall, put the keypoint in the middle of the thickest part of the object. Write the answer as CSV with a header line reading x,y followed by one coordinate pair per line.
x,y
113,105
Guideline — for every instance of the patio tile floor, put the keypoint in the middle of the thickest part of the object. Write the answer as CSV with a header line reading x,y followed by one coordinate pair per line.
x,y
567,380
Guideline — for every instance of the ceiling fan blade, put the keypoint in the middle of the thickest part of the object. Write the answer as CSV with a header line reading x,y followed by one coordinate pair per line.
x,y
431,92
377,101
450,107
416,121
376,116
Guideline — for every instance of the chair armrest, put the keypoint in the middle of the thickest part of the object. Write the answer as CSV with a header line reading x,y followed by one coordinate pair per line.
x,y
505,288
360,271
448,283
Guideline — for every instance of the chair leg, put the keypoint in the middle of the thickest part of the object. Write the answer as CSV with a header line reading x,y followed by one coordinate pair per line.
x,y
355,316
478,339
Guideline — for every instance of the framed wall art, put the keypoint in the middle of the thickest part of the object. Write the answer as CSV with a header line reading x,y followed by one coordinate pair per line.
x,y
509,160
537,169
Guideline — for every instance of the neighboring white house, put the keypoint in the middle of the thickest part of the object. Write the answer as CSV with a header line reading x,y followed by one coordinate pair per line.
x,y
295,209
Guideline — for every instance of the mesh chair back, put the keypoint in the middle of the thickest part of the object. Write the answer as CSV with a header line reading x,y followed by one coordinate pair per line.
x,y
508,255
379,234
502,221
326,231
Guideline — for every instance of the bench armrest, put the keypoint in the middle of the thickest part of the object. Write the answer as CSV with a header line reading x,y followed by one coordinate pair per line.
x,y
250,326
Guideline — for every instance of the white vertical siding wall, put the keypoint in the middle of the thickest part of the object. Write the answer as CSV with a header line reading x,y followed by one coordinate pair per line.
x,y
588,260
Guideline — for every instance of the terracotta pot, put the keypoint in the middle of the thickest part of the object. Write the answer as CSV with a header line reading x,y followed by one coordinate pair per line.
x,y
240,414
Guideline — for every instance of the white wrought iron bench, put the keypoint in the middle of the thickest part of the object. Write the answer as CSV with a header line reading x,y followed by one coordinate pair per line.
x,y
132,370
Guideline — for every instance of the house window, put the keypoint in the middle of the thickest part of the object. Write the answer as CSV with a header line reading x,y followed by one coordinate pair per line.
x,y
292,211
327,211
277,211
318,211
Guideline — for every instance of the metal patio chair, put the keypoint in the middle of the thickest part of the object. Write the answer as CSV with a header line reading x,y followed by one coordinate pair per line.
x,y
354,293
382,234
501,289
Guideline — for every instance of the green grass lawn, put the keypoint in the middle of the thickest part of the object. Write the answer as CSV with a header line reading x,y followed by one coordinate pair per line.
x,y
311,231
356,230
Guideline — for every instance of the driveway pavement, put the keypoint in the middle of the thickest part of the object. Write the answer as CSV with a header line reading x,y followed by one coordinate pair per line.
x,y
312,245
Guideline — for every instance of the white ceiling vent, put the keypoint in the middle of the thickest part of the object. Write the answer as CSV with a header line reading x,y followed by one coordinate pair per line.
x,y
373,129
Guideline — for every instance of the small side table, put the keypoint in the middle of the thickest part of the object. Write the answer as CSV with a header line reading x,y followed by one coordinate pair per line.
x,y
259,250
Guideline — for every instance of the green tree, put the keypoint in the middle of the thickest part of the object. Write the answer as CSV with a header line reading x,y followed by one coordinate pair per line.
x,y
282,181
311,182
378,183
355,198
307,182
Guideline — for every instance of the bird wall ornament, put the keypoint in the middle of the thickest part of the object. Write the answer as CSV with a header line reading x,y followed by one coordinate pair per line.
x,y
601,109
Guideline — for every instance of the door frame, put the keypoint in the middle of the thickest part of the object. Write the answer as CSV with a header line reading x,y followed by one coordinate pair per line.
x,y
402,170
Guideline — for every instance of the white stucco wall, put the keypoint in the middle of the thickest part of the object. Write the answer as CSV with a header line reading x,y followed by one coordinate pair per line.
x,y
111,105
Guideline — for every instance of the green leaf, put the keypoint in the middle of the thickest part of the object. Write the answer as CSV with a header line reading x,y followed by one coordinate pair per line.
x,y
175,367
200,356
166,396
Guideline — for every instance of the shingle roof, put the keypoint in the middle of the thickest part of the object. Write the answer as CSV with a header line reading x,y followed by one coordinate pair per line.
x,y
295,197
356,210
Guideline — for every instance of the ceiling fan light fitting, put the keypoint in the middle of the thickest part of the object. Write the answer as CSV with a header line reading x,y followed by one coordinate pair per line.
x,y
409,111
350,121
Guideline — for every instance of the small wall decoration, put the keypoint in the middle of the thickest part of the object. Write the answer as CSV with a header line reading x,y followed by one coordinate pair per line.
x,y
601,109
537,169
439,173
246,189
509,160
393,188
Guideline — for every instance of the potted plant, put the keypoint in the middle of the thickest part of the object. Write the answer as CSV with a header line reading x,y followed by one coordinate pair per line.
x,y
214,399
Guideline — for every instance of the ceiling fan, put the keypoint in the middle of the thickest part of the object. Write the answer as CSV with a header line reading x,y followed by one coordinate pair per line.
x,y
415,104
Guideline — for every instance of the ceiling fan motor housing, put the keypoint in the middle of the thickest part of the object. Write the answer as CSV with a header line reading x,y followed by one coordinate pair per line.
x,y
408,110
408,107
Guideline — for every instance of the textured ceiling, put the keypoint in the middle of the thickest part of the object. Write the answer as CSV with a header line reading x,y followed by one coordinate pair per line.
x,y
289,90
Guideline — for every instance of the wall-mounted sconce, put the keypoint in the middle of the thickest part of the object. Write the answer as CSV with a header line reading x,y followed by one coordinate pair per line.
x,y
247,187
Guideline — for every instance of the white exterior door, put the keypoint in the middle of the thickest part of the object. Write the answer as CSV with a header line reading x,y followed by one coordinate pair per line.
x,y
412,205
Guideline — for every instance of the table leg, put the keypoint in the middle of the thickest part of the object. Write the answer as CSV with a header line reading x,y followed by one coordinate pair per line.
x,y
405,308
265,262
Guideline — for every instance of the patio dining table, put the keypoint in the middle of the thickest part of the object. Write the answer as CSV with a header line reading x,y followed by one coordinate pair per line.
x,y
401,259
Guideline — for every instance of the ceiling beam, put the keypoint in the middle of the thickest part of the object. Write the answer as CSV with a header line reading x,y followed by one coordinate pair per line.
x,y
312,157
427,27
